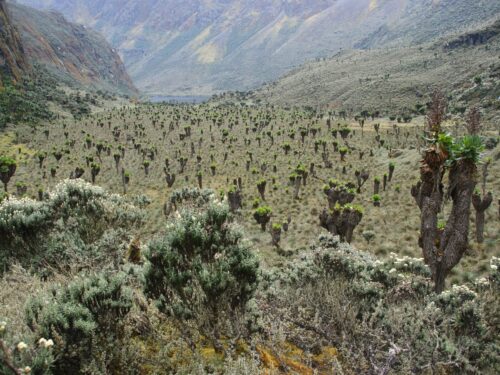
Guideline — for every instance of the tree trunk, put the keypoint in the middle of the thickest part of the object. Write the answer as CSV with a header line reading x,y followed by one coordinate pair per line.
x,y
443,249
455,238
480,226
297,183
481,205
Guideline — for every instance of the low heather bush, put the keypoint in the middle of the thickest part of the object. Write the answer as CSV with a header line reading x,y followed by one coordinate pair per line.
x,y
383,315
76,222
83,318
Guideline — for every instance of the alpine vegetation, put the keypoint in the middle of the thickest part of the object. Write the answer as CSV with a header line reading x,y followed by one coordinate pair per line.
x,y
338,217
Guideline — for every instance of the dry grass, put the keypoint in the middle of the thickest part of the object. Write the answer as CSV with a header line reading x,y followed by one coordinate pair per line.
x,y
391,79
395,223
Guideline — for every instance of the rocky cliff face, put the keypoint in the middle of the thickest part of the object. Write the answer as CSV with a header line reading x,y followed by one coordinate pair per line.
x,y
72,52
474,38
12,59
190,47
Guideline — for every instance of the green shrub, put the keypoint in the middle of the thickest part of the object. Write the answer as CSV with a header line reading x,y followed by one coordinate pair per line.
x,y
202,271
24,356
78,221
83,317
359,304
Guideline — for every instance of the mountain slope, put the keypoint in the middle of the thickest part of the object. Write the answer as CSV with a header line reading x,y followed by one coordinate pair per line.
x,y
69,51
12,58
193,47
466,65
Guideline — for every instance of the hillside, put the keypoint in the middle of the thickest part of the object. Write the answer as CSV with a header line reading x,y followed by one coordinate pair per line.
x,y
12,59
73,53
392,79
52,68
202,47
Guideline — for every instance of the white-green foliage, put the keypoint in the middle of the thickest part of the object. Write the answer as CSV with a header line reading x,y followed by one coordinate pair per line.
x,y
198,197
376,310
76,219
81,317
202,269
190,197
30,358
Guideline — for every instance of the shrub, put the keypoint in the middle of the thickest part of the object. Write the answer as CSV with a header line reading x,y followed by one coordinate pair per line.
x,y
368,235
383,313
84,317
77,221
202,271
22,358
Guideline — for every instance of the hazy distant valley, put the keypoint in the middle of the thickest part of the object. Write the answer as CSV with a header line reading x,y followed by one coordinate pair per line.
x,y
173,47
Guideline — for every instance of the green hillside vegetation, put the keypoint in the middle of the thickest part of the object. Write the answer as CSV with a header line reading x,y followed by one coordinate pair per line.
x,y
51,69
397,79
41,97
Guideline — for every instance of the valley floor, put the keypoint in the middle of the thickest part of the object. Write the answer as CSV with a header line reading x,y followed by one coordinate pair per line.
x,y
320,306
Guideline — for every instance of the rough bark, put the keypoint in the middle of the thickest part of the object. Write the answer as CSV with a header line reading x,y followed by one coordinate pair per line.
x,y
276,236
262,190
297,184
443,250
361,178
341,222
481,205
170,178
235,200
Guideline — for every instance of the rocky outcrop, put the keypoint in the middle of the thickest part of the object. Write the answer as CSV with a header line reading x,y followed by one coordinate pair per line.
x,y
72,52
474,38
12,58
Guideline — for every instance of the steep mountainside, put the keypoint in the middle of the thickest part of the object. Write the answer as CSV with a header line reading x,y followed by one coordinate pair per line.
x,y
194,47
71,52
466,66
12,58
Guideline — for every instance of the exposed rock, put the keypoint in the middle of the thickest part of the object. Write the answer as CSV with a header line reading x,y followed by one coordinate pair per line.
x,y
71,52
12,58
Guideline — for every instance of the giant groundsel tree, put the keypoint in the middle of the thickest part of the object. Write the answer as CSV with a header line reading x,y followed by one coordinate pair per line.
x,y
443,247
